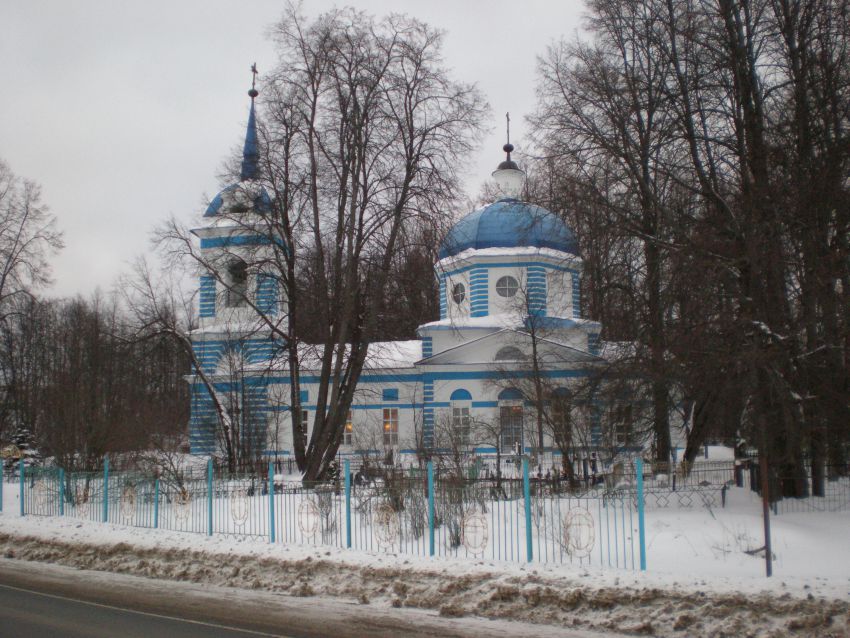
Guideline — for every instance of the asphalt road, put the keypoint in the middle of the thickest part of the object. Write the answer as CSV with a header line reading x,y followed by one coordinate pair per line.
x,y
30,614
41,600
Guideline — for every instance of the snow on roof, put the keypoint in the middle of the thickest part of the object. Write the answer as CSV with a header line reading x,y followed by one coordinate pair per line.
x,y
506,320
519,251
233,327
382,355
494,322
394,354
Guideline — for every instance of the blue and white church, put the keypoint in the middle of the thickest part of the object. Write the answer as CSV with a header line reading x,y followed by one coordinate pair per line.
x,y
509,279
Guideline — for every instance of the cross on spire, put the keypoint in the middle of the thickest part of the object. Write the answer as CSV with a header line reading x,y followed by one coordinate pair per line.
x,y
253,92
508,147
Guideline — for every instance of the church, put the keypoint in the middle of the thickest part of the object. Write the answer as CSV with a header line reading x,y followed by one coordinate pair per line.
x,y
510,329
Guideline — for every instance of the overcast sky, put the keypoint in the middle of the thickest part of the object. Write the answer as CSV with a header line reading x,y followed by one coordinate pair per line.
x,y
125,111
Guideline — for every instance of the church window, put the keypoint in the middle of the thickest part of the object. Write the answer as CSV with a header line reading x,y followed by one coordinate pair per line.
x,y
461,421
510,420
461,402
348,432
458,293
507,286
390,427
237,285
510,426
621,420
509,353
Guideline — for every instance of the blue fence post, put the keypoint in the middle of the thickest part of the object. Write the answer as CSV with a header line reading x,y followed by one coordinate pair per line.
x,y
271,502
641,524
1,487
430,508
529,550
347,503
61,492
209,497
105,489
156,503
21,472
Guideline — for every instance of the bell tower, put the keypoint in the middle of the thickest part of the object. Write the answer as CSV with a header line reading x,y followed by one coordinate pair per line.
x,y
240,305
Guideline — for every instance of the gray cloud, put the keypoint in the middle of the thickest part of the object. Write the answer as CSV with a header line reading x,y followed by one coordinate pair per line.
x,y
125,111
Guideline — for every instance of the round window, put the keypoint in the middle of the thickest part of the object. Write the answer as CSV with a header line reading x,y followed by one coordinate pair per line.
x,y
507,286
458,293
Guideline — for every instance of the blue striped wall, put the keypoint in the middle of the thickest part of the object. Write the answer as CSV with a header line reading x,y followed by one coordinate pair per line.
x,y
479,286
207,296
479,291
428,414
443,302
536,290
204,425
267,294
593,343
576,295
234,240
427,347
208,352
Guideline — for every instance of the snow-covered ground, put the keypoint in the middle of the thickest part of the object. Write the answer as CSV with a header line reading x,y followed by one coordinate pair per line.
x,y
702,578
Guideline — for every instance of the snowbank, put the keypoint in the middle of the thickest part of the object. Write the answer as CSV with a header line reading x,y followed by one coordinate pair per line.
x,y
701,591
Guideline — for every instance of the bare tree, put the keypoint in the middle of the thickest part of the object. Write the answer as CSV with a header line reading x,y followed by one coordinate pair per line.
x,y
28,237
727,142
361,143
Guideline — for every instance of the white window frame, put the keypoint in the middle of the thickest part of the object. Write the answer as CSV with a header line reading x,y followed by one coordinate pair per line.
x,y
508,287
390,427
462,421
516,432
348,430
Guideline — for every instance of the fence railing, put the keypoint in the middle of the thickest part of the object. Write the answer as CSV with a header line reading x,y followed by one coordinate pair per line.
x,y
509,519
827,490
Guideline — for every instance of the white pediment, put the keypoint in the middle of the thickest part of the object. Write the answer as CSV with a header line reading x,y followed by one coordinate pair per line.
x,y
509,347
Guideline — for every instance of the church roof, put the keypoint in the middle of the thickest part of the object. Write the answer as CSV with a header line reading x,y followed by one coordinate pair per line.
x,y
509,223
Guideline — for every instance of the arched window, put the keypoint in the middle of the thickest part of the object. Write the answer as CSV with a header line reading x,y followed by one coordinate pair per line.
x,y
461,419
509,353
510,421
507,286
458,293
237,283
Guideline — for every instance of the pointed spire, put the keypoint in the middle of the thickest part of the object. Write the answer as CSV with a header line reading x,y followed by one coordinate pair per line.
x,y
251,150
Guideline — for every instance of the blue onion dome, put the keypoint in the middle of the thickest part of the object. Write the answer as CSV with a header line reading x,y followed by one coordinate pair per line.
x,y
509,223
